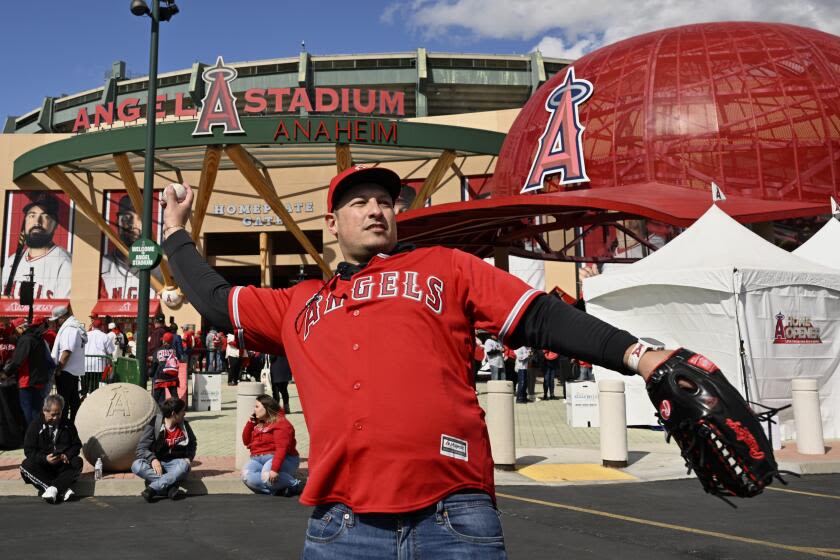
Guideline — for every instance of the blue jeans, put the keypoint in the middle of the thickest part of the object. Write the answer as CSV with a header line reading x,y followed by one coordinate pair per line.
x,y
174,471
214,360
586,374
255,474
548,381
31,400
461,526
522,385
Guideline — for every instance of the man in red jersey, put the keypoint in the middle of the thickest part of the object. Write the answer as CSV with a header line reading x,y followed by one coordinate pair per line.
x,y
399,453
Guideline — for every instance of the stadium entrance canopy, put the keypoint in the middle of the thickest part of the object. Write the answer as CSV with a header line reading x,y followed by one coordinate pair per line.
x,y
263,143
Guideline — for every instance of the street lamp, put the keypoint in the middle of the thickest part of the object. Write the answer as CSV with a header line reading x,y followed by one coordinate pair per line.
x,y
157,14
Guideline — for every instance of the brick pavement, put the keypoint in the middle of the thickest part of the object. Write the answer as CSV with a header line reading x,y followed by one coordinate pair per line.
x,y
541,424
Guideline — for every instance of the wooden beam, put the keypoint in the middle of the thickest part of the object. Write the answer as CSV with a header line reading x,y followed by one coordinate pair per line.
x,y
265,260
343,157
209,170
433,180
243,162
130,181
63,181
133,189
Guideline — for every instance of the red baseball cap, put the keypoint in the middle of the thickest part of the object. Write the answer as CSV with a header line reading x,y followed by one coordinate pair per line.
x,y
167,337
18,323
97,323
362,174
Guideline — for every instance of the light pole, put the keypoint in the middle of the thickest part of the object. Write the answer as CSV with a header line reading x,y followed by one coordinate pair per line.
x,y
157,14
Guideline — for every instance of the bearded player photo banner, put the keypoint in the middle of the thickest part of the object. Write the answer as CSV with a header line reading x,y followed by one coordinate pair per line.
x,y
38,238
117,280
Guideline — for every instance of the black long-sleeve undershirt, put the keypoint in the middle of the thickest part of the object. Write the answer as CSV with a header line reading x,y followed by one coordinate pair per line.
x,y
205,288
548,323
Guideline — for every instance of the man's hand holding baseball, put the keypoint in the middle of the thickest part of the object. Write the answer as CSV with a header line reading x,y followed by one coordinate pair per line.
x,y
175,214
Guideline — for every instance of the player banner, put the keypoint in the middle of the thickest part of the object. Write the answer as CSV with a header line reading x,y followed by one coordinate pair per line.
x,y
118,280
38,236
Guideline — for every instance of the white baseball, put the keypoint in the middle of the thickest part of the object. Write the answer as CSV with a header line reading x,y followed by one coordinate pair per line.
x,y
180,191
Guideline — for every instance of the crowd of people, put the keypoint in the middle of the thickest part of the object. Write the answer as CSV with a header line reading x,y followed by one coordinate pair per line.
x,y
48,367
524,366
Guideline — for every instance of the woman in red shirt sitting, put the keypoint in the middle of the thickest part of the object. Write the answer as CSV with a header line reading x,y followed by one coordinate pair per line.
x,y
274,458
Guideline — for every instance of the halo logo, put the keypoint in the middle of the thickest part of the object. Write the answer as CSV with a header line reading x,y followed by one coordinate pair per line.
x,y
560,149
218,108
795,330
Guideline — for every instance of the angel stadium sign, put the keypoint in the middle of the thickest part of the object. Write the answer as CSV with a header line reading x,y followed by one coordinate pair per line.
x,y
218,107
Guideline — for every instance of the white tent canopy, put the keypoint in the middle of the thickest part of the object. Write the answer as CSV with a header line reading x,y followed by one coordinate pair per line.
x,y
824,246
763,315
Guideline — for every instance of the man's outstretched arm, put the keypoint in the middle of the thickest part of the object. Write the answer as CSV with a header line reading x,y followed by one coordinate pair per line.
x,y
551,324
205,288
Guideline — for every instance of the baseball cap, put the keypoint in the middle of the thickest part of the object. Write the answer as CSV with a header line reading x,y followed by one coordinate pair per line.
x,y
125,205
19,323
362,174
58,312
112,326
97,323
167,337
129,335
47,202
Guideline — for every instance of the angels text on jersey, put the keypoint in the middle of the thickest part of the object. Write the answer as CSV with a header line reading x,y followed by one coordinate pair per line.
x,y
425,290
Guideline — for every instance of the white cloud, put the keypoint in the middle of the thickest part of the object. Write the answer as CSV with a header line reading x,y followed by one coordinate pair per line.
x,y
567,27
557,47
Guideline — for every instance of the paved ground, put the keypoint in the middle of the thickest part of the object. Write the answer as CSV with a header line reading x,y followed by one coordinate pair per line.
x,y
549,452
651,521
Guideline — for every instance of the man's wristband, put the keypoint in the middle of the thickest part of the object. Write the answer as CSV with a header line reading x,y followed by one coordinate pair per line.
x,y
642,345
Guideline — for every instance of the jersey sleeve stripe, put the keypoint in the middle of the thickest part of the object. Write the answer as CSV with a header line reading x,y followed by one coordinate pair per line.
x,y
515,313
234,304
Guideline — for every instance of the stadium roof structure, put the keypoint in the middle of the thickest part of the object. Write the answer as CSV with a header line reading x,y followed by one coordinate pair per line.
x,y
481,226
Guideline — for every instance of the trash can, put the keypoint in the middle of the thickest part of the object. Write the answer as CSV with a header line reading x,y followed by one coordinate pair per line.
x,y
127,370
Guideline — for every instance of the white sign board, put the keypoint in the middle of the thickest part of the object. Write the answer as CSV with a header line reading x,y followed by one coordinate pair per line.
x,y
207,392
582,404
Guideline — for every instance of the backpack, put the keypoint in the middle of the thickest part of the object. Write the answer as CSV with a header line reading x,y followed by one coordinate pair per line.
x,y
170,366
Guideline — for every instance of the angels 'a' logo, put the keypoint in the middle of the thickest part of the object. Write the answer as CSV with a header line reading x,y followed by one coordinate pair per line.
x,y
665,409
560,148
218,108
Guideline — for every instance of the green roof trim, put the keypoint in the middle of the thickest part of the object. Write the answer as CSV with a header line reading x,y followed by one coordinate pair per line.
x,y
264,130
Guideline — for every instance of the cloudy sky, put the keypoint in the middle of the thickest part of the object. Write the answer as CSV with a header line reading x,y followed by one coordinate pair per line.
x,y
54,47
571,28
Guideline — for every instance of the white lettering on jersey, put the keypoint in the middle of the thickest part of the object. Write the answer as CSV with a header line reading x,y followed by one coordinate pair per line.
x,y
363,288
388,284
410,288
313,315
434,300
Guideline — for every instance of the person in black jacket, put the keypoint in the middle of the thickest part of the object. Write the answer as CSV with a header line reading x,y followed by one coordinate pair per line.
x,y
32,365
281,374
52,447
165,451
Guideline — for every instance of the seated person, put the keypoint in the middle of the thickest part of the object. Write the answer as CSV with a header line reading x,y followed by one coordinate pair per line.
x,y
52,447
274,457
165,451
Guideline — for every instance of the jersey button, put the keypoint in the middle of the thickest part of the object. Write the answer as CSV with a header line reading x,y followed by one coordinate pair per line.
x,y
357,385
355,347
357,425
356,313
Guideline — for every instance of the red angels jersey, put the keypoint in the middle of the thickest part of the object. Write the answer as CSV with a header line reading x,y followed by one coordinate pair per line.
x,y
53,273
383,366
